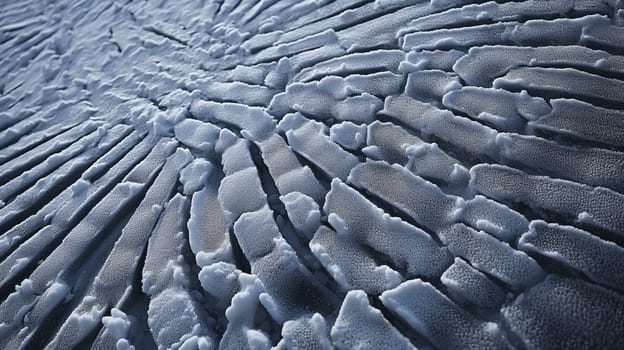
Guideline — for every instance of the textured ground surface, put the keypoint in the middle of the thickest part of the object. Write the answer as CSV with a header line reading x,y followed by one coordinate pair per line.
x,y
312,174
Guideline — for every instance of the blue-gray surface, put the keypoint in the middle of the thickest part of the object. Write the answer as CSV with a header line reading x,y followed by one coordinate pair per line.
x,y
316,174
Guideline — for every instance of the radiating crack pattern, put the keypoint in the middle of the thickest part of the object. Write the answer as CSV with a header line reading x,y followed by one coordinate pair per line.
x,y
312,174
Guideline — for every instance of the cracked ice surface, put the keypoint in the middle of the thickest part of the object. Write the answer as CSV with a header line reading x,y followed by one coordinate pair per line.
x,y
242,174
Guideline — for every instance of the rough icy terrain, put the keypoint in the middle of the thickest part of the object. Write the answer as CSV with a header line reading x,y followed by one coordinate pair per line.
x,y
313,174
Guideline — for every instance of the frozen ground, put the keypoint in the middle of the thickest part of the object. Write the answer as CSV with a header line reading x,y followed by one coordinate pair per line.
x,y
312,174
